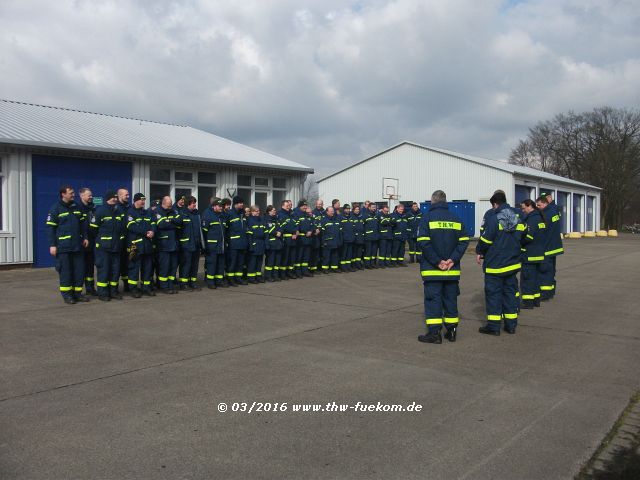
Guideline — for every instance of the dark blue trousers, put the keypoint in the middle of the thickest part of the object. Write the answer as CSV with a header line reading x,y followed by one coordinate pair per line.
x,y
89,266
384,252
441,304
141,271
314,258
397,253
108,271
189,263
70,268
529,281
358,253
330,259
167,267
287,259
370,253
235,267
254,265
547,277
346,255
304,258
214,268
501,301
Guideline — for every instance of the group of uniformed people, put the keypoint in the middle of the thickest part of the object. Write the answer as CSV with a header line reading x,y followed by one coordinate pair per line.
x,y
526,240
159,249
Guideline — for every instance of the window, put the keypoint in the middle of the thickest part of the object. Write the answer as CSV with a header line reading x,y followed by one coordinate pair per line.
x,y
184,177
244,180
206,189
278,197
208,178
261,200
160,175
159,190
245,194
279,182
261,182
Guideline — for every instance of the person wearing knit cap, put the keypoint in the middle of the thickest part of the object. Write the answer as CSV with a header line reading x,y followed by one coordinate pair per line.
x,y
237,235
108,227
140,231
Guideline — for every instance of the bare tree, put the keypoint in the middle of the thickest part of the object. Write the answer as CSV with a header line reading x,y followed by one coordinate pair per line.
x,y
601,148
310,189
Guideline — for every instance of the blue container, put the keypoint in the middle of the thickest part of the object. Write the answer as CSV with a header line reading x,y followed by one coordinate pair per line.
x,y
465,210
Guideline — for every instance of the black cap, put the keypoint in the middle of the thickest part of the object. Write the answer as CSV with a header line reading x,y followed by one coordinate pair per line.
x,y
110,194
302,203
346,205
180,197
139,196
237,200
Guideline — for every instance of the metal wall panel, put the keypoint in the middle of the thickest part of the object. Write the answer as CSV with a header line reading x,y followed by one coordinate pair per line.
x,y
16,242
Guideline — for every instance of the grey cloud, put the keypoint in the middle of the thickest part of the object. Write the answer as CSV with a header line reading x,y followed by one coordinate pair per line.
x,y
327,83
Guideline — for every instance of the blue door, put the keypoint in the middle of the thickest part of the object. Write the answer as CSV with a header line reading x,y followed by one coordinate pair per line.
x,y
50,172
577,212
562,201
591,201
522,193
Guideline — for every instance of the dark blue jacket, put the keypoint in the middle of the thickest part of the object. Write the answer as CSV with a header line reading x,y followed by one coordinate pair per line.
x,y
190,234
272,228
305,224
371,226
441,236
346,224
535,238
317,219
500,242
400,226
237,230
168,223
331,234
214,230
288,226
358,228
88,211
554,230
256,234
108,223
413,219
139,222
66,227
384,221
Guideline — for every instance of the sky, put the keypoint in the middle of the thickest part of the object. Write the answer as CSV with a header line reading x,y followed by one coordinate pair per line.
x,y
328,83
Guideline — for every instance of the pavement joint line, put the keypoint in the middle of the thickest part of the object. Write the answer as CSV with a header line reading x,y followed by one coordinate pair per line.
x,y
324,302
523,431
598,260
186,359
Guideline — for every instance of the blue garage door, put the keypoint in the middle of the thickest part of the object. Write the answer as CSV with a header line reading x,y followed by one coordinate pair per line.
x,y
50,172
522,193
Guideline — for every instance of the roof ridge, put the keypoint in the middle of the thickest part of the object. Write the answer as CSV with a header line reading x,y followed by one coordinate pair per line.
x,y
92,113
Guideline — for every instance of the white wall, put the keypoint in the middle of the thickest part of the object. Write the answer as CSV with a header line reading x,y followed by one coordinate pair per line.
x,y
420,172
16,241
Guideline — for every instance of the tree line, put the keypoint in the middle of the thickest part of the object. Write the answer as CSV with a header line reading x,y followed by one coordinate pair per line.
x,y
601,148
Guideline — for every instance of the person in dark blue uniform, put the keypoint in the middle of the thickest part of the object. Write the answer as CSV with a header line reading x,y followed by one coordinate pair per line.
x,y
141,230
348,238
331,233
358,233
168,224
413,219
67,235
442,240
214,230
534,242
386,237
371,236
554,246
498,250
316,255
290,234
88,208
109,228
190,245
306,230
256,235
401,233
122,207
237,239
273,245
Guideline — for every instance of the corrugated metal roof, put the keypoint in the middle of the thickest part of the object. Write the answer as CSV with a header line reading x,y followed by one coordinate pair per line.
x,y
43,126
504,166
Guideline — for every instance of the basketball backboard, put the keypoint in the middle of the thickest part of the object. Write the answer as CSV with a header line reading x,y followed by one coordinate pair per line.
x,y
390,188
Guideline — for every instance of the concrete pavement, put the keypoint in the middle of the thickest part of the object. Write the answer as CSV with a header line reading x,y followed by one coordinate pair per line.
x,y
131,389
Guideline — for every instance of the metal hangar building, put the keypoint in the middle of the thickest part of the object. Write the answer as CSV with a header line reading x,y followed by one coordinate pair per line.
x,y
411,172
44,147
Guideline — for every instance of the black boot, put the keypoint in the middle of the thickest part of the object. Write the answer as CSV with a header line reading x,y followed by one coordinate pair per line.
x,y
487,331
136,293
536,302
430,338
451,334
69,300
148,292
527,304
104,298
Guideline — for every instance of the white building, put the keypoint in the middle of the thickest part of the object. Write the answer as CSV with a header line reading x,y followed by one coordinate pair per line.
x,y
414,171
43,147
